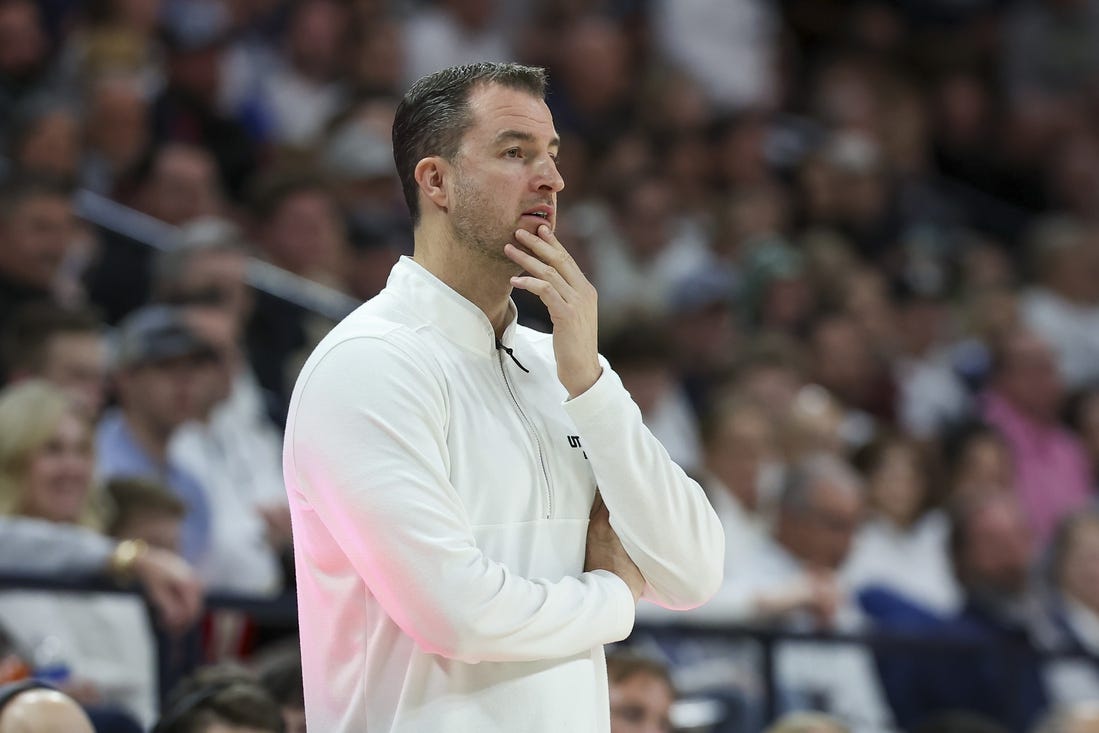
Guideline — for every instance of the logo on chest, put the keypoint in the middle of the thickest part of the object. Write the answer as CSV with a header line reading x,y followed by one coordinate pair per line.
x,y
574,442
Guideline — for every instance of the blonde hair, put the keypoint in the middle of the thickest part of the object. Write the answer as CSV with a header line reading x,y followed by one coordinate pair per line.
x,y
30,412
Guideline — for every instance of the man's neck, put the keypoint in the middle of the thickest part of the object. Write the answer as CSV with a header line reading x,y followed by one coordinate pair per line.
x,y
147,437
482,281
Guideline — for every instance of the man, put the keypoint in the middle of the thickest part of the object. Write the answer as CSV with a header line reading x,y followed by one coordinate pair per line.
x,y
37,227
220,699
65,346
442,462
159,363
30,707
642,694
1024,402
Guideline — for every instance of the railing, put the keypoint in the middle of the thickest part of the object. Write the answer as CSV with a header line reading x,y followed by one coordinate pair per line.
x,y
281,613
261,275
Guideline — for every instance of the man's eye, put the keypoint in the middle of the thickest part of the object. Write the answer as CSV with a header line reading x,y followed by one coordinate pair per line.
x,y
512,152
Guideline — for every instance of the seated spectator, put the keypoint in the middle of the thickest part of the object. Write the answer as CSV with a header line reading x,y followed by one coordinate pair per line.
x,y
807,723
792,582
158,362
31,707
992,552
279,670
65,346
1024,403
145,510
742,474
976,459
641,356
1063,306
36,233
903,529
641,694
1073,608
103,641
220,699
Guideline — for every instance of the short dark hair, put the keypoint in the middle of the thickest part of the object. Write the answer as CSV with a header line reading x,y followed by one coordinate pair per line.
x,y
135,495
27,334
434,115
24,186
626,664
223,693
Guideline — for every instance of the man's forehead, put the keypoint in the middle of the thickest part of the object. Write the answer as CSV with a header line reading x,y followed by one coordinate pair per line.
x,y
505,114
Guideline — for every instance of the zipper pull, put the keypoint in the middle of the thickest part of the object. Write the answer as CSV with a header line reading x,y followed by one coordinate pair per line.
x,y
509,352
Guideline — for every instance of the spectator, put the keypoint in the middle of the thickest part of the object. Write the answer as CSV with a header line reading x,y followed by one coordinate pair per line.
x,y
116,131
25,67
175,183
37,708
105,641
64,346
742,475
157,368
992,550
220,699
792,581
187,110
145,510
1024,399
1064,304
45,140
1082,416
279,670
641,694
449,33
904,528
36,232
1073,608
642,358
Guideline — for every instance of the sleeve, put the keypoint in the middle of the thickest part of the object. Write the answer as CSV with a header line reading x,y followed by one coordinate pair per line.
x,y
37,546
367,449
661,515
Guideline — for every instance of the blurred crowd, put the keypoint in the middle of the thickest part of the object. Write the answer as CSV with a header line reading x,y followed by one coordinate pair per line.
x,y
847,254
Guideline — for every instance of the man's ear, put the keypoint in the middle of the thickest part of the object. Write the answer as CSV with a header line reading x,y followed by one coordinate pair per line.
x,y
430,175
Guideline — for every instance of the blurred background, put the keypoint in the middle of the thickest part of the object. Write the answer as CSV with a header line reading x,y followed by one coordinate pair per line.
x,y
847,255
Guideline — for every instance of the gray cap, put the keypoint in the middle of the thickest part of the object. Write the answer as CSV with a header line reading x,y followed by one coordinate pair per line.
x,y
156,333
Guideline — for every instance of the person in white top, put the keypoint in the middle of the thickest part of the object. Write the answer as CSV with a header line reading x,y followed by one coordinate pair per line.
x,y
903,529
476,506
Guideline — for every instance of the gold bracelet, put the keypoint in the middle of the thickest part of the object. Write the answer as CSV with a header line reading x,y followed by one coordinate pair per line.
x,y
125,557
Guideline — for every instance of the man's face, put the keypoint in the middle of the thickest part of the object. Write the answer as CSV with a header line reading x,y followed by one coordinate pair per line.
x,y
641,704
165,394
36,239
999,548
1029,377
830,525
505,173
77,363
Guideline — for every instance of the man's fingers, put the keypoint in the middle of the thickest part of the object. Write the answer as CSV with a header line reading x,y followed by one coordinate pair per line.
x,y
539,269
549,250
549,295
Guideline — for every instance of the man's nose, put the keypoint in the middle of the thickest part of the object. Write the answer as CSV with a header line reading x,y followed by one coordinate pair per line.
x,y
549,177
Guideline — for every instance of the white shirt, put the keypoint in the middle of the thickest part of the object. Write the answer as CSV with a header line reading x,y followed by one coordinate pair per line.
x,y
236,458
103,638
440,497
914,562
1072,681
1071,330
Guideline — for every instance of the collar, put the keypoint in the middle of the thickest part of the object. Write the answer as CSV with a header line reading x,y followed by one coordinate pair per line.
x,y
435,302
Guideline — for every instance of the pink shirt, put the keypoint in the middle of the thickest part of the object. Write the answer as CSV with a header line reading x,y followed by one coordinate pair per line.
x,y
1051,467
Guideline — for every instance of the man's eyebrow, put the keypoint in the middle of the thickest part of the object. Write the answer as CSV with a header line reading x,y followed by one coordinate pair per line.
x,y
526,137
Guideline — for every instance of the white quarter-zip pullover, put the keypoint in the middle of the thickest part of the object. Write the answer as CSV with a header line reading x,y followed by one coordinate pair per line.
x,y
440,490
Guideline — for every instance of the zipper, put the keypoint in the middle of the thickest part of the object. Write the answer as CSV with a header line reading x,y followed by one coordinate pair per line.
x,y
530,429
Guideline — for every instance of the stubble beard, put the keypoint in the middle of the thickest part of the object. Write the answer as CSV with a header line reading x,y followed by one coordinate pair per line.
x,y
475,229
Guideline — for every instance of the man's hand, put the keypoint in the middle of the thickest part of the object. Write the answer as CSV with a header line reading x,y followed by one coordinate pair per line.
x,y
554,276
172,588
605,551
